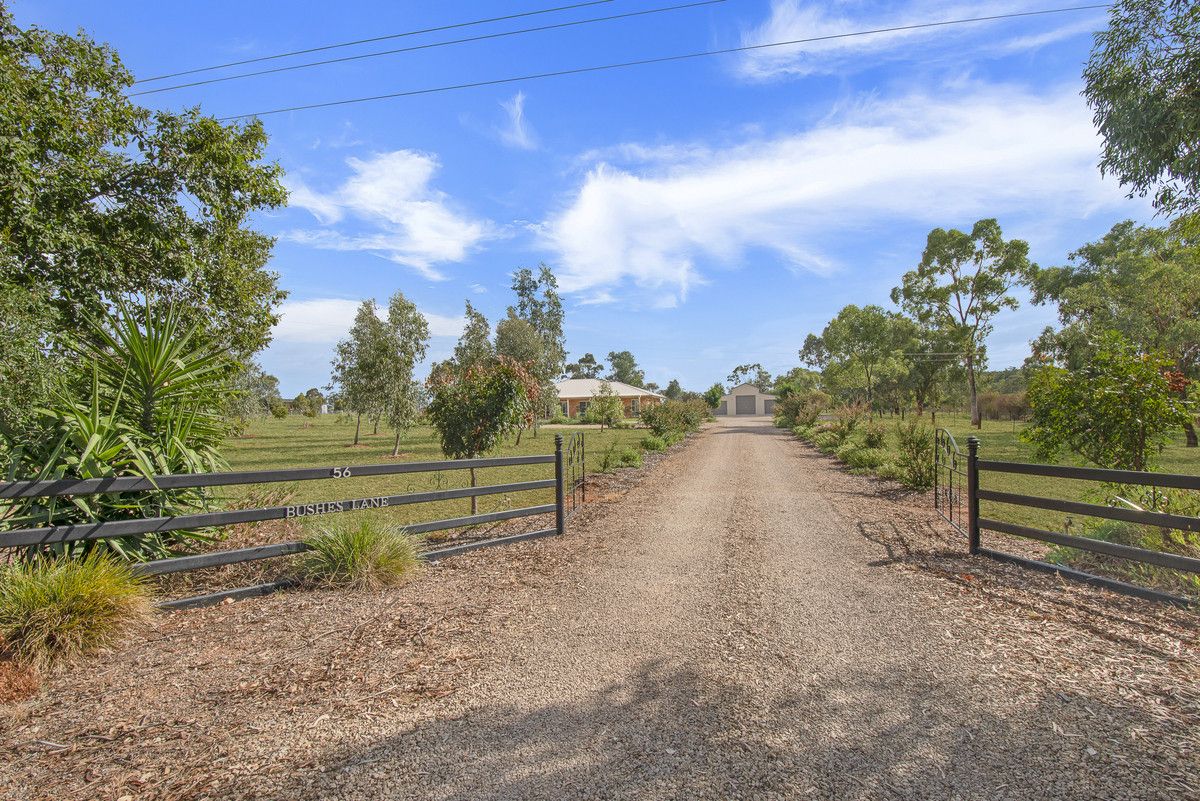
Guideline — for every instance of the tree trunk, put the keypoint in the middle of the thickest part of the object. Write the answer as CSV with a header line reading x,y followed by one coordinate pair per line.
x,y
357,427
976,422
376,432
474,498
1189,431
520,431
396,446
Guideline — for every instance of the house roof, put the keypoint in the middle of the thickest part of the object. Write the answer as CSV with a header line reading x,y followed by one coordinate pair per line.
x,y
587,387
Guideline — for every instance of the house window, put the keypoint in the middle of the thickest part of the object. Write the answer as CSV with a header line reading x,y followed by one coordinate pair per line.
x,y
635,408
566,408
583,408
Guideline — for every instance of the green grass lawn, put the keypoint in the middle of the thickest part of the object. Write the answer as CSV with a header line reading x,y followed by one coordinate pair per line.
x,y
326,441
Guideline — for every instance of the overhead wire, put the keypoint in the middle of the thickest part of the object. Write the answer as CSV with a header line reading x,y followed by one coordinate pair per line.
x,y
654,60
429,46
369,40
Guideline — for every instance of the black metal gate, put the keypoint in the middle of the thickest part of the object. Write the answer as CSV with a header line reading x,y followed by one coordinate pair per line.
x,y
35,537
961,510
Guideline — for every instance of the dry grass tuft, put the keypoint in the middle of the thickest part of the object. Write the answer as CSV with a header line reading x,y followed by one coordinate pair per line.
x,y
56,610
367,553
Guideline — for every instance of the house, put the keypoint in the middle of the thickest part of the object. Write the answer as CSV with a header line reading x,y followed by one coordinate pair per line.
x,y
574,395
747,399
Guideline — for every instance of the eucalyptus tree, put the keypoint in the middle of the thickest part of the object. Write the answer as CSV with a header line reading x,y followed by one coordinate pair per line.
x,y
406,337
859,341
962,282
475,343
586,367
1141,84
360,366
624,368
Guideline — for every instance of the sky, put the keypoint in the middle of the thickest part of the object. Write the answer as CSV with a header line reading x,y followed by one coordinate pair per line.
x,y
700,213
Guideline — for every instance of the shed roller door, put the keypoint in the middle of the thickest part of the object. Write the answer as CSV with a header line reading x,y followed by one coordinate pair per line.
x,y
745,404
768,407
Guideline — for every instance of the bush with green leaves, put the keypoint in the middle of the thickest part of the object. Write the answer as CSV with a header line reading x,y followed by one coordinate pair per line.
x,y
653,443
914,460
366,552
866,458
846,420
56,609
605,408
801,408
874,435
153,404
1116,411
675,417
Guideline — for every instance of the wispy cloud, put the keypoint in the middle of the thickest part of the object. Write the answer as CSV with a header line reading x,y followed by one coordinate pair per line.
x,y
323,321
942,158
517,131
390,208
791,20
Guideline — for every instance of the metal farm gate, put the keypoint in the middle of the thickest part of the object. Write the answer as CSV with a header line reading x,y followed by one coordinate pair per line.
x,y
957,495
568,478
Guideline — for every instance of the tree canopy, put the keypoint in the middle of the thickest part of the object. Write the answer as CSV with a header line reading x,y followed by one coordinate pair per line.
x,y
624,368
963,281
103,199
1141,84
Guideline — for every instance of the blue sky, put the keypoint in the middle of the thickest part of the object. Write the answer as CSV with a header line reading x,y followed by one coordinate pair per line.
x,y
700,214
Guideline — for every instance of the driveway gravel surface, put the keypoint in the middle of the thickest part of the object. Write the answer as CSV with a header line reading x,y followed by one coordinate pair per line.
x,y
746,620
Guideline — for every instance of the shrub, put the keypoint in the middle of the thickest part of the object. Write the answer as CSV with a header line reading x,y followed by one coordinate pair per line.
x,y
630,458
154,405
826,441
866,458
56,609
279,409
874,435
675,417
653,443
914,459
845,422
366,553
803,432
800,409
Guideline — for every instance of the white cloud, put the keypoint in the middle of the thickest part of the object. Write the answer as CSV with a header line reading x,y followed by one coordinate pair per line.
x,y
792,20
518,132
322,321
406,220
943,159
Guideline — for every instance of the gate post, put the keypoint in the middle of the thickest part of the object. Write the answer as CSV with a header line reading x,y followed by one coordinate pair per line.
x,y
972,495
560,520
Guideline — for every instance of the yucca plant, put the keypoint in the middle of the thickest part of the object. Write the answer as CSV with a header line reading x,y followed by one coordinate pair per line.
x,y
152,407
55,610
364,553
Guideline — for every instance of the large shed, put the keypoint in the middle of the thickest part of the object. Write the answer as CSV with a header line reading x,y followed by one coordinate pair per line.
x,y
747,400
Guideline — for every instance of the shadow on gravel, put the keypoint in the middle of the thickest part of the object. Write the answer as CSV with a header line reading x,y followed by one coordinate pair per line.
x,y
668,733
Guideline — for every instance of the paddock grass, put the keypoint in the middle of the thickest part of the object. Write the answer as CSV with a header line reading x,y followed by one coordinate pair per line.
x,y
1001,441
327,441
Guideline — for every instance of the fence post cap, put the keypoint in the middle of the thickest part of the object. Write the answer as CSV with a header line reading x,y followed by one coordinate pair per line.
x,y
972,442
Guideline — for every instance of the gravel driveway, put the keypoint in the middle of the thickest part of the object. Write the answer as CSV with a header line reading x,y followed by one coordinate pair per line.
x,y
747,621
745,637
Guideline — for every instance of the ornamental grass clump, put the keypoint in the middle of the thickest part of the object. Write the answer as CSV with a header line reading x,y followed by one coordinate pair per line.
x,y
366,553
56,610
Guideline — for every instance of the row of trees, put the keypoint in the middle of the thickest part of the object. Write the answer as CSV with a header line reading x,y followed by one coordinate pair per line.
x,y
1139,283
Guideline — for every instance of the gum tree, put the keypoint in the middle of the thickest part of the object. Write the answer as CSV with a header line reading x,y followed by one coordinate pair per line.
x,y
963,281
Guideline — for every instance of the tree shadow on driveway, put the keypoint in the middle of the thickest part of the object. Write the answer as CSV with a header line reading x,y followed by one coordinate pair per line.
x,y
671,733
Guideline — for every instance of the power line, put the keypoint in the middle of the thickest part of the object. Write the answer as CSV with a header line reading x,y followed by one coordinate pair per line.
x,y
482,37
657,60
371,39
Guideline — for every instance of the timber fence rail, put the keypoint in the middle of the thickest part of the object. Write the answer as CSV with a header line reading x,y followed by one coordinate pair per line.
x,y
976,523
34,537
